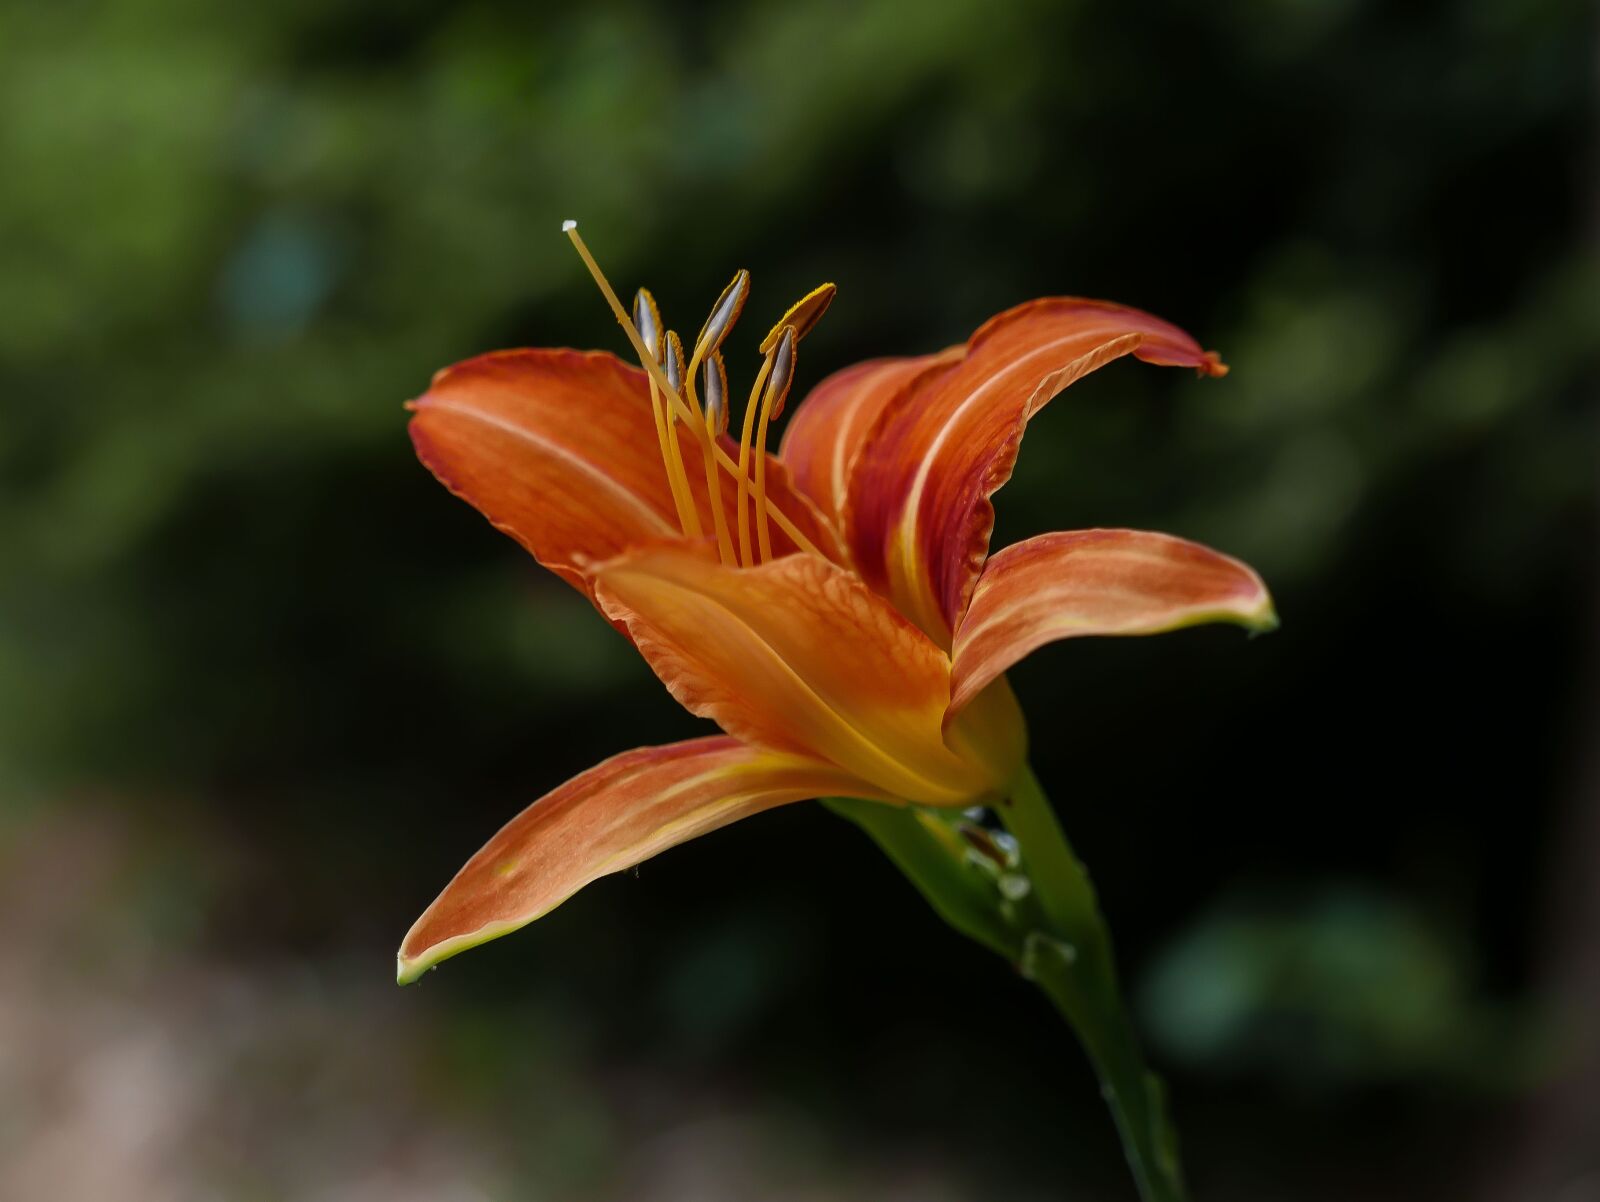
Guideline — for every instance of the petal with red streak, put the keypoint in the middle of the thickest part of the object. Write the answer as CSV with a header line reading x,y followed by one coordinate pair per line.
x,y
828,430
1088,582
919,515
798,655
609,818
558,448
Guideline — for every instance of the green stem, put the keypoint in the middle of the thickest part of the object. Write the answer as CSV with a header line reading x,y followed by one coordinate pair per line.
x,y
1073,964
1054,933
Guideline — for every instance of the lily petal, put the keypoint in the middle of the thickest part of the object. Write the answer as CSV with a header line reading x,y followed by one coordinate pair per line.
x,y
1084,582
798,655
609,818
825,436
919,516
558,448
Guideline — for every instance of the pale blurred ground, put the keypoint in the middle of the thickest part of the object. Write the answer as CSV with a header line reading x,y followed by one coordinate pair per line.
x,y
134,1070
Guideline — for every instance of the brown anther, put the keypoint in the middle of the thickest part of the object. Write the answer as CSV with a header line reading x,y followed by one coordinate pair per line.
x,y
802,315
674,361
723,314
715,388
782,374
648,320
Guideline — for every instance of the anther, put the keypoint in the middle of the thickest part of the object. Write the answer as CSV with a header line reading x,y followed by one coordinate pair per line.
x,y
648,319
782,373
802,315
674,362
716,390
723,315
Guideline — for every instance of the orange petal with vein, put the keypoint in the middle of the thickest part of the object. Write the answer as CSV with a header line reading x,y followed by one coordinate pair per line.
x,y
919,512
1083,582
830,427
798,655
558,448
609,818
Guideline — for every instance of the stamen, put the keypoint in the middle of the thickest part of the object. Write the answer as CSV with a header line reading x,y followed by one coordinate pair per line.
x,y
677,376
676,404
802,315
647,317
723,314
721,319
772,400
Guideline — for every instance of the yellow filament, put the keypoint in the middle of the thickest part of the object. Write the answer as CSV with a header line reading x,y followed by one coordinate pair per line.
x,y
675,466
763,539
779,518
675,403
708,451
744,462
672,457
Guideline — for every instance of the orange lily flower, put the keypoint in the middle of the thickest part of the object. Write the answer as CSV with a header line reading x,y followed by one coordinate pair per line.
x,y
831,607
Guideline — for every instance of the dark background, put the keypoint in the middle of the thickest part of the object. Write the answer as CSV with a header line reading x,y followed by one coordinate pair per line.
x,y
264,685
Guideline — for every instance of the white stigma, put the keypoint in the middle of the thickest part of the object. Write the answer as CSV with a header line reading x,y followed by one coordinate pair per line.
x,y
568,226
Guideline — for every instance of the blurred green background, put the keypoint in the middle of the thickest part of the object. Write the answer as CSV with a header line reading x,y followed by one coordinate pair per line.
x,y
264,685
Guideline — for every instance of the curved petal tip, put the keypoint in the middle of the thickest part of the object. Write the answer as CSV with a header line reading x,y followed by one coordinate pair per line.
x,y
411,969
1263,619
